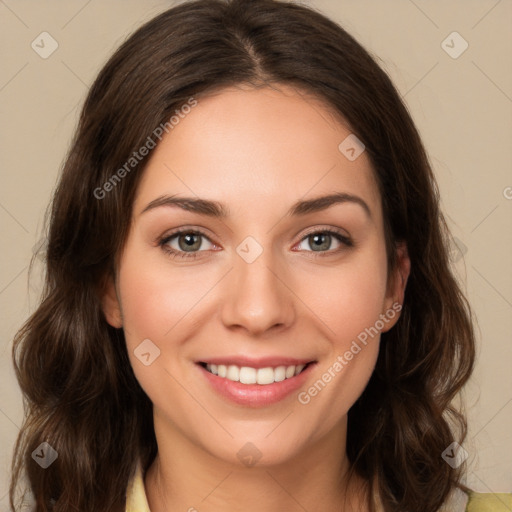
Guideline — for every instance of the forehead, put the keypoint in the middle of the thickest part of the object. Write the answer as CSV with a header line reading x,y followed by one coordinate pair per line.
x,y
272,146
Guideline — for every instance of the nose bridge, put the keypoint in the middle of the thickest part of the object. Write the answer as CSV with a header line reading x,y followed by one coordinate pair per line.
x,y
256,298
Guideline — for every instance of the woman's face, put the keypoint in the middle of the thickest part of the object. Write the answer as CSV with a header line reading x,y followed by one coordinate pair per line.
x,y
261,290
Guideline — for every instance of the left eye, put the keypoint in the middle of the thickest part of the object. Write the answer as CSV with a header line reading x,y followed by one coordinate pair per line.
x,y
188,241
321,241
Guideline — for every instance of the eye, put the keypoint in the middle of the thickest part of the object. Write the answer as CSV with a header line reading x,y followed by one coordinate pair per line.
x,y
185,243
321,241
189,243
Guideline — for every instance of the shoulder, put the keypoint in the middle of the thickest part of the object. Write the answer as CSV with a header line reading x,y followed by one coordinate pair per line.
x,y
460,501
489,502
136,500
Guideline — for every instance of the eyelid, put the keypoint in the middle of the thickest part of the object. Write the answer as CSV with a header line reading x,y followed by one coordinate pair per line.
x,y
326,229
164,239
183,229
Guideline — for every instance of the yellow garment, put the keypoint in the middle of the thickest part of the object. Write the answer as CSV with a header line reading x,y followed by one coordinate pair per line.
x,y
136,500
499,502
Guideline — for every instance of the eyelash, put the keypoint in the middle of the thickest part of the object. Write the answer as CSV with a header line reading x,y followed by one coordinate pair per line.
x,y
191,255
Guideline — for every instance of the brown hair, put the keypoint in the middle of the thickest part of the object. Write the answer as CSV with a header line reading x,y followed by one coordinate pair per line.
x,y
81,395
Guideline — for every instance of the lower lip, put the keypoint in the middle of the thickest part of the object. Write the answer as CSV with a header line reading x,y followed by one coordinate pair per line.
x,y
256,395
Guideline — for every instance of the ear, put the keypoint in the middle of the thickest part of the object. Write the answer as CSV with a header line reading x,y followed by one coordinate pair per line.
x,y
110,303
397,282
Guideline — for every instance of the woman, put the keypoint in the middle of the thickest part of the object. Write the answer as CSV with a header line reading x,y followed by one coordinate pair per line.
x,y
190,351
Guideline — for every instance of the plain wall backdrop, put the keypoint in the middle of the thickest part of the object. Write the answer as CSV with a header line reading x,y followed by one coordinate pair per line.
x,y
458,88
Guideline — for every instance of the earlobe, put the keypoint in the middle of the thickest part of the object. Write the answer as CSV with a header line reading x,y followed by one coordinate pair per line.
x,y
110,304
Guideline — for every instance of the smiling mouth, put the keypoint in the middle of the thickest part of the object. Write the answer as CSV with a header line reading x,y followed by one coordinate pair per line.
x,y
249,375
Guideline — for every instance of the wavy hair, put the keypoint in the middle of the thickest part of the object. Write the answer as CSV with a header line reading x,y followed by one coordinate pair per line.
x,y
80,393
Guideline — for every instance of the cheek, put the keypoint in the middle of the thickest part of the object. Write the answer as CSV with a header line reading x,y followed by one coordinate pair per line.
x,y
349,303
154,299
350,297
155,302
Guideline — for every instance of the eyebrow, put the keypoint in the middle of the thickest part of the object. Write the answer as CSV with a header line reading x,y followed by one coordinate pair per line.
x,y
218,210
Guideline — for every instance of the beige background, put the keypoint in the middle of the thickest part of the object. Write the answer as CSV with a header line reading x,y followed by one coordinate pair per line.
x,y
462,106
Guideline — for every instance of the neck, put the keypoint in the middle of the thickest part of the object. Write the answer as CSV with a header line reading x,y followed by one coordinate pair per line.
x,y
185,477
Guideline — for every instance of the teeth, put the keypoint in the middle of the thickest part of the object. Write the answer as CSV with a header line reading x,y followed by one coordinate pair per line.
x,y
247,375
265,376
299,368
279,373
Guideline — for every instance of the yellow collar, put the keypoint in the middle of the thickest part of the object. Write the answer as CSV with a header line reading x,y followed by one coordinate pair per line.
x,y
136,500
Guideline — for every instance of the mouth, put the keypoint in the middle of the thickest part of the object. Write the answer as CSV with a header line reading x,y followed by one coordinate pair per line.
x,y
250,375
255,383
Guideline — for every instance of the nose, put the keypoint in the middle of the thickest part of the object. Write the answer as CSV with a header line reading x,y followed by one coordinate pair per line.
x,y
257,297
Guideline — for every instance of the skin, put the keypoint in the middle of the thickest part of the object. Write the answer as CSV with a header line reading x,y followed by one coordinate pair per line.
x,y
257,151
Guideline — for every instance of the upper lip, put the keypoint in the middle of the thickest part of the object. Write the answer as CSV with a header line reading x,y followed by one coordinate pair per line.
x,y
260,362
